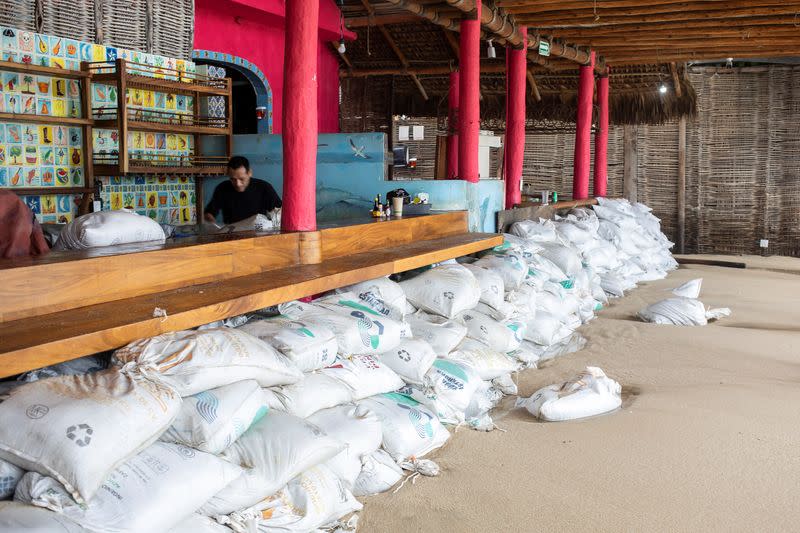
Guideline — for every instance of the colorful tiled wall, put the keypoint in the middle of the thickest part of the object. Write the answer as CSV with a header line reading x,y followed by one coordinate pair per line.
x,y
165,199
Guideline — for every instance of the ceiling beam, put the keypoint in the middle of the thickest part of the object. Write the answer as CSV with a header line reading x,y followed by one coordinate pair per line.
x,y
625,29
587,19
395,18
549,6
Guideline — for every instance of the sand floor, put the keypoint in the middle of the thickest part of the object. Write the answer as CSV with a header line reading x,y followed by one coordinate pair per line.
x,y
708,438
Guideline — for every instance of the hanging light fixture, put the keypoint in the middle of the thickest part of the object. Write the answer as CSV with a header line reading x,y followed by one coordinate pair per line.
x,y
341,48
491,53
663,89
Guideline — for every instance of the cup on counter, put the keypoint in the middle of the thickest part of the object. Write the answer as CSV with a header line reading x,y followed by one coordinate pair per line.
x,y
397,206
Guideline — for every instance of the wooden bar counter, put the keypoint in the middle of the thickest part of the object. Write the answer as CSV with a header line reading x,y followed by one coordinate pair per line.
x,y
70,304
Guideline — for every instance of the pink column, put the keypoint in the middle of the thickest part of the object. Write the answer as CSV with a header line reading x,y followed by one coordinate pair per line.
x,y
601,139
469,122
516,65
452,126
300,116
583,133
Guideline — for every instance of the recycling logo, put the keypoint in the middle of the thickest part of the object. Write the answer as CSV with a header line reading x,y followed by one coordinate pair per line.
x,y
80,434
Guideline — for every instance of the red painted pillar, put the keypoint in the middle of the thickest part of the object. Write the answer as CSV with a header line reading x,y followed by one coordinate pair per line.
x,y
516,78
469,122
300,116
601,139
583,133
452,126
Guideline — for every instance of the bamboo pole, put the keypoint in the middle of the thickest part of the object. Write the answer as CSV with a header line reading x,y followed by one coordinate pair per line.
x,y
681,200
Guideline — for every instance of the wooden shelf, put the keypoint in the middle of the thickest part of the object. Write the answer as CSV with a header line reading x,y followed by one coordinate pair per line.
x,y
113,170
33,342
46,71
162,127
49,190
44,119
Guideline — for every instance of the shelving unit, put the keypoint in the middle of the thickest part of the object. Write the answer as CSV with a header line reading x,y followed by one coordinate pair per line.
x,y
85,121
126,75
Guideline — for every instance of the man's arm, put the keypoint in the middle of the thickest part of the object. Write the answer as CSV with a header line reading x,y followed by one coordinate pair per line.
x,y
213,207
272,199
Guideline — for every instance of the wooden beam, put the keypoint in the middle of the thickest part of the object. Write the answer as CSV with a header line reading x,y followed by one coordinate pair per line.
x,y
452,42
623,57
394,18
427,13
401,56
681,200
676,82
627,8
630,164
344,57
682,21
487,68
534,88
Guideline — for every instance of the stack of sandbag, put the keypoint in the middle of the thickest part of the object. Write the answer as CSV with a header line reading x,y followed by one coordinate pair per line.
x,y
684,309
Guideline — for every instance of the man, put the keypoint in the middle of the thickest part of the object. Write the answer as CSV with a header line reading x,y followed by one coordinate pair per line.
x,y
241,196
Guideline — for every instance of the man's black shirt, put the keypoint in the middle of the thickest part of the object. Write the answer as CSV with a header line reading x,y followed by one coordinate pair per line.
x,y
259,197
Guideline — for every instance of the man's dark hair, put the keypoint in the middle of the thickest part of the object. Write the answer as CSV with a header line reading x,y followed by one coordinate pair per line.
x,y
238,161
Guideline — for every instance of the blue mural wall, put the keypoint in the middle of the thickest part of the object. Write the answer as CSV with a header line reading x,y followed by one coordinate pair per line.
x,y
350,172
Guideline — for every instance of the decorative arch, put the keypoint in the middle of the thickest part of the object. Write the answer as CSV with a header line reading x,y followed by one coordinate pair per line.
x,y
251,72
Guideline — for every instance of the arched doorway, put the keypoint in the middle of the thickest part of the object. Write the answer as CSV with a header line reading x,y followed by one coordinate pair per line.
x,y
250,90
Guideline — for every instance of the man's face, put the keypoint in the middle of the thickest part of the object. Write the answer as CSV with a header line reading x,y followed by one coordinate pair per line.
x,y
240,178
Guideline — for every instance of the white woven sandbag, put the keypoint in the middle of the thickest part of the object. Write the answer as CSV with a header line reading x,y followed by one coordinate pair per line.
x,y
10,475
108,228
690,289
277,448
148,492
502,336
540,266
520,245
379,473
309,502
488,363
681,312
523,300
567,258
539,231
197,523
492,286
448,390
511,267
589,393
445,290
79,428
545,329
409,429
382,294
316,392
17,517
506,311
358,428
194,361
212,420
309,346
410,360
364,375
442,334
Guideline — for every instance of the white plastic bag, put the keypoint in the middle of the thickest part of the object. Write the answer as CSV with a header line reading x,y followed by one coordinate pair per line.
x,y
364,375
442,334
151,491
681,312
411,360
316,392
589,393
309,346
492,286
197,523
109,228
445,290
195,361
487,362
9,477
409,429
378,474
77,429
382,294
212,420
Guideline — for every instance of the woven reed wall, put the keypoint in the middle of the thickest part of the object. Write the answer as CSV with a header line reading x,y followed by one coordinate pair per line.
x,y
161,27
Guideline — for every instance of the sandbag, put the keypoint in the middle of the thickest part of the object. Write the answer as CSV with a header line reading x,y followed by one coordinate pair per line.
x,y
511,267
589,393
565,257
358,428
680,311
197,523
690,289
379,473
212,420
445,290
488,363
382,294
78,428
9,477
505,311
82,365
448,390
310,501
542,268
499,336
538,231
109,228
410,360
195,361
442,334
316,392
308,346
546,329
16,517
364,375
278,447
491,283
151,491
409,429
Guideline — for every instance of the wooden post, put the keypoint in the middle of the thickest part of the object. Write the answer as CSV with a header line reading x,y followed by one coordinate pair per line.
x,y
631,164
601,139
122,115
300,116
469,103
88,142
583,132
515,120
681,202
452,126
